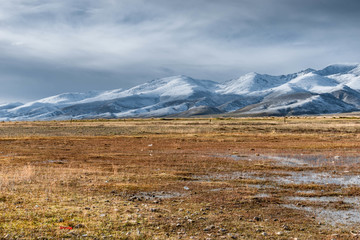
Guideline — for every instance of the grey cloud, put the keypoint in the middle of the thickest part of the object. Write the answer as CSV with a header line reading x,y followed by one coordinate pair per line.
x,y
51,46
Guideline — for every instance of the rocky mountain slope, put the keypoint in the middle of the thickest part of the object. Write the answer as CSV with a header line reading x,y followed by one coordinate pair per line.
x,y
334,89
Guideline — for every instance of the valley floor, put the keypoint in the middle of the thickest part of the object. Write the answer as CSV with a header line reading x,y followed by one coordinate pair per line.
x,y
249,178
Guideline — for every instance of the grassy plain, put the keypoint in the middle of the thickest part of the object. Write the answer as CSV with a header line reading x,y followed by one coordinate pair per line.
x,y
250,178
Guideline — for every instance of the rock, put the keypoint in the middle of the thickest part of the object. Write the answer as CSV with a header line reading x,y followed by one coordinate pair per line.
x,y
279,233
72,233
208,228
257,219
264,234
79,226
286,227
133,198
233,235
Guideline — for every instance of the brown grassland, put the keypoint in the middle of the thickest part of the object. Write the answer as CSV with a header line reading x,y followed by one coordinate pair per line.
x,y
249,178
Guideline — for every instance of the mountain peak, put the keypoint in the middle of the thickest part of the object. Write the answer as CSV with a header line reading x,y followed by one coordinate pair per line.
x,y
181,76
252,82
336,69
308,70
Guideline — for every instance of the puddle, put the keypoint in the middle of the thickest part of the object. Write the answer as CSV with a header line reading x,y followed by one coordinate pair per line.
x,y
237,158
296,159
284,177
326,199
295,178
226,176
233,157
317,178
306,191
311,160
55,161
330,216
288,161
259,186
262,195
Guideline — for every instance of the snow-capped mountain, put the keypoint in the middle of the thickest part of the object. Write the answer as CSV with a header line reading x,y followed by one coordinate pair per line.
x,y
334,89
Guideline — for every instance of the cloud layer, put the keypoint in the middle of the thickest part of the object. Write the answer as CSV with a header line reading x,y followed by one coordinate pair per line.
x,y
51,46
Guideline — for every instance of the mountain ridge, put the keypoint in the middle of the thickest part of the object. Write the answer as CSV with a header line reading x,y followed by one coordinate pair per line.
x,y
334,89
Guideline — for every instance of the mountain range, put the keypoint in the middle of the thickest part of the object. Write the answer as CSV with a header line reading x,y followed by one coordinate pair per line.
x,y
334,89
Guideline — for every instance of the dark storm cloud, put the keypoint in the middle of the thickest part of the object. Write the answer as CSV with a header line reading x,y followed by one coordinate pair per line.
x,y
50,46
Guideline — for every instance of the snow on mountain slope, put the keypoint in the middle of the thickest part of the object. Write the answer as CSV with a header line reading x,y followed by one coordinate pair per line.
x,y
37,109
102,96
313,83
337,69
297,104
7,106
262,84
155,98
350,78
335,88
53,102
67,98
251,83
173,88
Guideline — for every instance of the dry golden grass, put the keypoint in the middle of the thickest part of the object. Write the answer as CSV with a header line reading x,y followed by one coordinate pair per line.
x,y
171,178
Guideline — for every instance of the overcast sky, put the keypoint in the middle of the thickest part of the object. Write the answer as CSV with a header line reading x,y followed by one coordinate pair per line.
x,y
54,46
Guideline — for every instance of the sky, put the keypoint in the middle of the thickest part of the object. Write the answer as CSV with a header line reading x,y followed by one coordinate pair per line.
x,y
49,47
